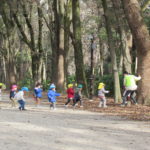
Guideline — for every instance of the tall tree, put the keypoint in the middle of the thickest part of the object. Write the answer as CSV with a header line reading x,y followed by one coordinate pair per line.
x,y
30,40
80,71
125,35
142,41
67,25
61,73
117,91
9,44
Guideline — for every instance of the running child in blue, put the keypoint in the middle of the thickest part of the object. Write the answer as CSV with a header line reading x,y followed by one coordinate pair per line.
x,y
52,96
38,93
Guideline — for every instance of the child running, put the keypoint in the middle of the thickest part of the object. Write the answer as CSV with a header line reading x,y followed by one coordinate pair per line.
x,y
20,97
101,95
38,94
12,95
70,94
78,96
52,96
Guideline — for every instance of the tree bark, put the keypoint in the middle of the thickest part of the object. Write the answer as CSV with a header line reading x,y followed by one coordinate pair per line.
x,y
61,75
117,91
80,71
125,36
67,24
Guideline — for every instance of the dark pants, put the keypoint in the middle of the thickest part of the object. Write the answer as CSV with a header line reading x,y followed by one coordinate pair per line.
x,y
68,101
76,100
125,96
22,104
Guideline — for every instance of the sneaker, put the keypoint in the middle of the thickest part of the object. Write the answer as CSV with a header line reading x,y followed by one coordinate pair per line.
x,y
66,106
136,103
123,105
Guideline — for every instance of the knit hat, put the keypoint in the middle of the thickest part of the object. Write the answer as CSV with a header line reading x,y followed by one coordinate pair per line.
x,y
70,85
80,86
25,89
101,85
14,87
52,86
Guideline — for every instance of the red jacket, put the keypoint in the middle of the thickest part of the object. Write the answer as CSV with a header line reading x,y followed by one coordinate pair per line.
x,y
70,92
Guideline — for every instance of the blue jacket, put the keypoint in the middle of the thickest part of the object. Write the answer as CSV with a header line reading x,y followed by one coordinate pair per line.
x,y
52,95
38,92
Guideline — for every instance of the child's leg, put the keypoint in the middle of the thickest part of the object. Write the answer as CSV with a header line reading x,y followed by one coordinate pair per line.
x,y
68,101
81,102
104,102
51,105
13,102
23,105
20,104
38,101
54,105
100,102
75,101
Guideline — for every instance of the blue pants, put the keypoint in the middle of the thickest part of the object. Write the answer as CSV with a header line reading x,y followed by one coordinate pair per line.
x,y
22,104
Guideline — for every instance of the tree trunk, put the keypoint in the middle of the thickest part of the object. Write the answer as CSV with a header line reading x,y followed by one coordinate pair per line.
x,y
117,91
61,76
125,36
127,44
67,24
142,41
80,72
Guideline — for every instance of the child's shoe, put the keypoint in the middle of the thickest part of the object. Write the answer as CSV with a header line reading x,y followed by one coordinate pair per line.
x,y
100,104
66,106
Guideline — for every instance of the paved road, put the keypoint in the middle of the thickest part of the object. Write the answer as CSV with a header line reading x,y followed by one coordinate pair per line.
x,y
66,129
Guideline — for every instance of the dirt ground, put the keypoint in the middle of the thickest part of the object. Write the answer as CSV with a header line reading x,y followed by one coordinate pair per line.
x,y
40,128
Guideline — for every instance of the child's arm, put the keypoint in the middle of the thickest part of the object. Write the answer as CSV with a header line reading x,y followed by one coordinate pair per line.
x,y
57,94
105,91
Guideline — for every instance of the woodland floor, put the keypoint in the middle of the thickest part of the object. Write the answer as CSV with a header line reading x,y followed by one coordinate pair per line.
x,y
87,128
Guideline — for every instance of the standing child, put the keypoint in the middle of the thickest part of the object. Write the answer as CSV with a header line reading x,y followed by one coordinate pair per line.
x,y
20,97
78,96
38,93
70,94
12,95
52,96
101,95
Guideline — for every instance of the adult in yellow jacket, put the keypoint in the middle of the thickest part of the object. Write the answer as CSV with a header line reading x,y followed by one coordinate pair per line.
x,y
130,87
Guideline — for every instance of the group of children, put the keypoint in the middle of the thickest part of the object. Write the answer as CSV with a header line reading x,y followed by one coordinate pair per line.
x,y
18,96
74,93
